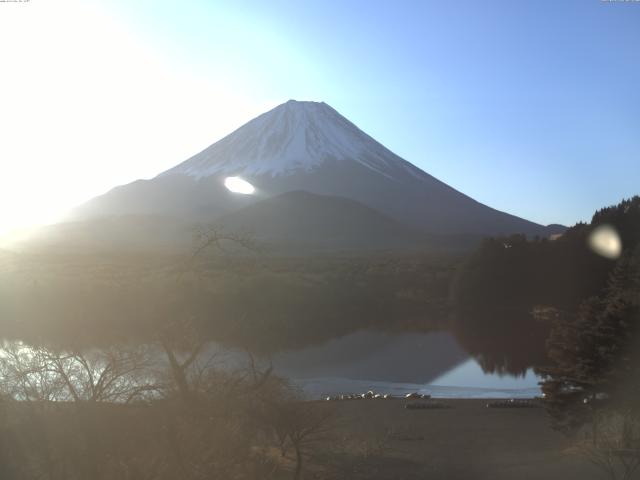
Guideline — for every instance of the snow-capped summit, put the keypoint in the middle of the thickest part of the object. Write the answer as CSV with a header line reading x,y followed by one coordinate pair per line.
x,y
292,137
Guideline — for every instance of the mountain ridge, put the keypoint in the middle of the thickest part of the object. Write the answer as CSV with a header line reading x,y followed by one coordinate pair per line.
x,y
307,146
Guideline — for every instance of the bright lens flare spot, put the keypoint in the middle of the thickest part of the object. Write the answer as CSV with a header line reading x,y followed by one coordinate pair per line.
x,y
605,241
238,185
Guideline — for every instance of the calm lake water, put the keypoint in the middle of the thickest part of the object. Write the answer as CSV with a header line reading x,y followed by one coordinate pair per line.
x,y
397,364
431,363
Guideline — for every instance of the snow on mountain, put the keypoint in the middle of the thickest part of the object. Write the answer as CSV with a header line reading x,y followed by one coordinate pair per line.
x,y
295,136
310,147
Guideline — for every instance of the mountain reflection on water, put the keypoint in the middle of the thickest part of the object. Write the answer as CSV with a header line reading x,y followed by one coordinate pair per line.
x,y
431,363
394,363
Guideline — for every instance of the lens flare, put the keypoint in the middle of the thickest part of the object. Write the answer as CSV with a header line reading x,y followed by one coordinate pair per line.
x,y
238,185
605,241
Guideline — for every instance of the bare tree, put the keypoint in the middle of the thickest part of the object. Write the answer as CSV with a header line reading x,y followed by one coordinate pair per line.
x,y
616,450
297,423
63,442
25,374
39,373
115,374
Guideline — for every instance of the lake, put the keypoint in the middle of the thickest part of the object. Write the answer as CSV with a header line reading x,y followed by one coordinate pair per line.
x,y
432,363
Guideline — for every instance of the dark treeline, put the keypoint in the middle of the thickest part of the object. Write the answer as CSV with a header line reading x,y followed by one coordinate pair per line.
x,y
595,350
498,289
591,382
253,301
579,314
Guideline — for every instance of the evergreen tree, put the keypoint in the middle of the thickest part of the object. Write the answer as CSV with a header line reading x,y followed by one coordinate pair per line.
x,y
593,352
506,279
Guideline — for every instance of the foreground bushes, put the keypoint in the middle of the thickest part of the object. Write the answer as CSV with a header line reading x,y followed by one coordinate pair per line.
x,y
166,411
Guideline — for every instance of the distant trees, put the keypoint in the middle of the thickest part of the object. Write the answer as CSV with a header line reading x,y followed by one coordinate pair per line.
x,y
500,286
493,293
283,302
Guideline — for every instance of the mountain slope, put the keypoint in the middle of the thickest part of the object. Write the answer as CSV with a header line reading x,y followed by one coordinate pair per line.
x,y
294,137
307,146
301,218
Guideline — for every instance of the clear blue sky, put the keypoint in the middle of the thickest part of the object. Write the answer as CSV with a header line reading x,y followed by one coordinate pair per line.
x,y
529,106
532,107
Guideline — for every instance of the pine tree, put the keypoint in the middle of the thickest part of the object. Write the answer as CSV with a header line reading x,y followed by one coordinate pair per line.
x,y
593,352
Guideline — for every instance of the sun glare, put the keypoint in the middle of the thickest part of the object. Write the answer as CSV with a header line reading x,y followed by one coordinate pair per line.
x,y
238,185
95,123
605,241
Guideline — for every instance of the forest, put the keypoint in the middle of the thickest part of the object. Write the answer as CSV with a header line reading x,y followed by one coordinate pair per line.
x,y
584,312
245,300
501,292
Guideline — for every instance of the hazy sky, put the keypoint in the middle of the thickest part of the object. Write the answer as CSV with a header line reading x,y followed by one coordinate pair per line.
x,y
532,107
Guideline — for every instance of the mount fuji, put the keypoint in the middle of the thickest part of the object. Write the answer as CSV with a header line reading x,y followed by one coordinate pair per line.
x,y
306,147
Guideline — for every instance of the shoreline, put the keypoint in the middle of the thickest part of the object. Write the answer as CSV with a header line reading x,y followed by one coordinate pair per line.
x,y
467,440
